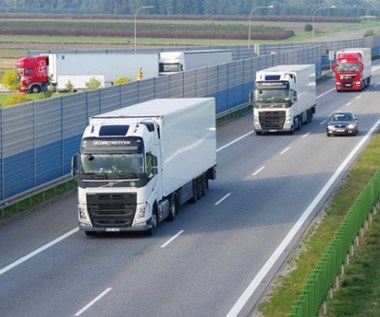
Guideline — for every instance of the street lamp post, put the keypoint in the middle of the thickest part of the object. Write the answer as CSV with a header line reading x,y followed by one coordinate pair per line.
x,y
137,11
315,11
250,18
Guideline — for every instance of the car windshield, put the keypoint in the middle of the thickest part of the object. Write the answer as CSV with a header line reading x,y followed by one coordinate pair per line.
x,y
341,117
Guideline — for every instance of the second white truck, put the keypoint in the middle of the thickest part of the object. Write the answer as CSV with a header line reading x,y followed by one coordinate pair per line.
x,y
284,98
175,62
138,164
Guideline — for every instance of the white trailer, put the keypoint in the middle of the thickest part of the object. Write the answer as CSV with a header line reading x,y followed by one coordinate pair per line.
x,y
138,164
109,66
284,98
175,62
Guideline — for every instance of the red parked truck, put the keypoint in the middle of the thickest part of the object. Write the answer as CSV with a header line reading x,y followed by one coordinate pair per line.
x,y
352,69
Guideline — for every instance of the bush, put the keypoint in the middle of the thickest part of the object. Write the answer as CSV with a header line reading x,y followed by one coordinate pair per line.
x,y
369,33
10,80
93,83
15,99
308,28
122,80
69,87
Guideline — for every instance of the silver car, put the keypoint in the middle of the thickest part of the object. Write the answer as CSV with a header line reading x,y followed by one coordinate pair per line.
x,y
342,123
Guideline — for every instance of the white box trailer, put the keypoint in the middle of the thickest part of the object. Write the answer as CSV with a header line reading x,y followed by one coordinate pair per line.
x,y
174,62
138,164
109,65
284,98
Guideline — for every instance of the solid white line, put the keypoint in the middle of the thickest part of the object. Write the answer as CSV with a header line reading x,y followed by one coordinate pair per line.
x,y
172,239
238,306
286,150
39,250
234,141
93,301
258,171
306,135
222,199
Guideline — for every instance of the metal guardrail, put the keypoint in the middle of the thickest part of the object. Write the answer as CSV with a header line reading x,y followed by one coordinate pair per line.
x,y
29,194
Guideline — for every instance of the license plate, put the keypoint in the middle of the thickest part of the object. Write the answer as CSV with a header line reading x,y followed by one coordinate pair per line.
x,y
339,130
112,229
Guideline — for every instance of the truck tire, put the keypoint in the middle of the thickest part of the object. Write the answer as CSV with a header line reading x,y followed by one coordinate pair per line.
x,y
197,193
154,222
35,89
173,207
204,184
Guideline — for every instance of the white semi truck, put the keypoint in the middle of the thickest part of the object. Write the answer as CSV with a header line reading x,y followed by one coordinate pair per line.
x,y
284,98
138,164
175,62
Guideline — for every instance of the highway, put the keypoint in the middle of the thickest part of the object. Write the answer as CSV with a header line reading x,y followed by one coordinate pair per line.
x,y
217,257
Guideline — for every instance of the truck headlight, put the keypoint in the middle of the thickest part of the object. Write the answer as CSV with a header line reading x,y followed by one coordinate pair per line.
x,y
141,212
83,215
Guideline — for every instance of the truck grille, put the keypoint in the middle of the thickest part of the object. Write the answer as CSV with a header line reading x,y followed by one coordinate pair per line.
x,y
112,210
272,120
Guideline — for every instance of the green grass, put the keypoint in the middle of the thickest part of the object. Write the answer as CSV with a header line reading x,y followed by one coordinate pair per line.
x,y
303,261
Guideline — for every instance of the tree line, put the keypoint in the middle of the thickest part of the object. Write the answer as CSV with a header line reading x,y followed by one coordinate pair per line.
x,y
346,8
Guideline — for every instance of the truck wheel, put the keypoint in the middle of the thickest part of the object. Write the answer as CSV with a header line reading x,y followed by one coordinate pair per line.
x,y
194,199
154,222
204,185
173,208
35,89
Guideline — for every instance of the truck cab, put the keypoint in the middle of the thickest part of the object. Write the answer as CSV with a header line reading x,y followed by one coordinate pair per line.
x,y
32,73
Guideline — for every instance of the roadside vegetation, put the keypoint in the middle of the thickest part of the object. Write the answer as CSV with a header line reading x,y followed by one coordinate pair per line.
x,y
360,291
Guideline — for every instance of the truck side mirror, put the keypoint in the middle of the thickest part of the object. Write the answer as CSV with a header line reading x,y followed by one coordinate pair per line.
x,y
251,97
294,95
74,165
333,67
361,67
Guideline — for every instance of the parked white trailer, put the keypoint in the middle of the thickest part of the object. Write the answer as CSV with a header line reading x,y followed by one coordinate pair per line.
x,y
175,62
138,164
284,98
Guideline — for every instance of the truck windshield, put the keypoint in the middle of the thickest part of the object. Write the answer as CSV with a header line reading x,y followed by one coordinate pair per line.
x,y
347,67
272,95
111,166
170,67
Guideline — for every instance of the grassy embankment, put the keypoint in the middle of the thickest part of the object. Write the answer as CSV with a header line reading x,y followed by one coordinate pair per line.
x,y
360,292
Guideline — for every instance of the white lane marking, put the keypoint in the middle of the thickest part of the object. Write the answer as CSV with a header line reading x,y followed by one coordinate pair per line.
x,y
348,103
222,199
235,310
306,135
258,171
172,239
286,150
323,122
37,251
358,97
93,301
325,93
234,141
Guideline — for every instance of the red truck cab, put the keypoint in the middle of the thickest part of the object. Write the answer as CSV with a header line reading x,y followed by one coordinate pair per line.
x,y
32,72
352,69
